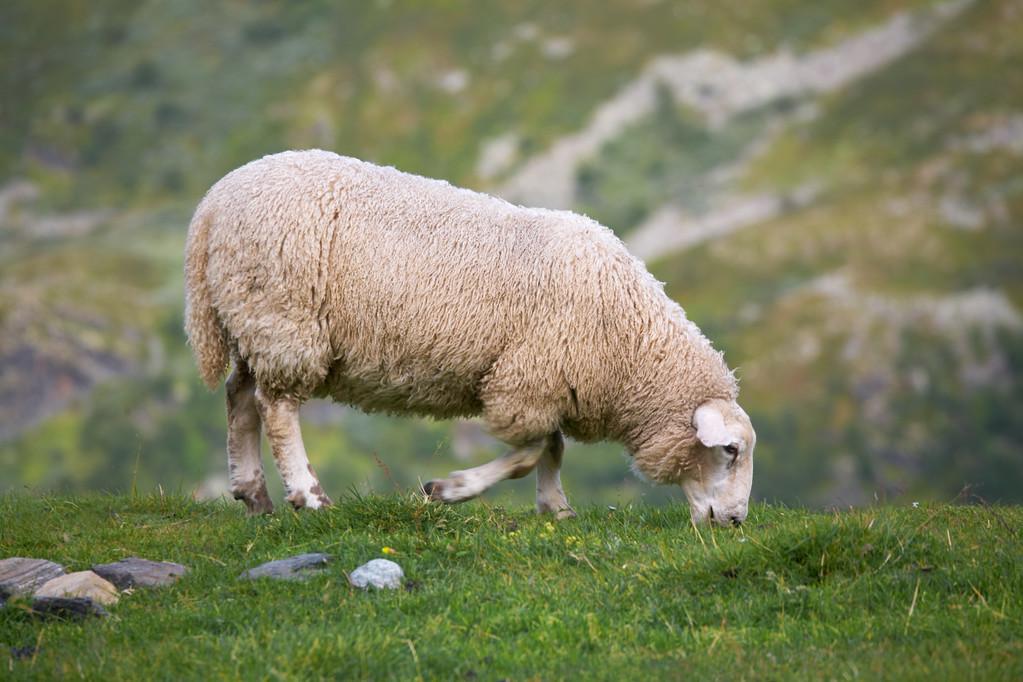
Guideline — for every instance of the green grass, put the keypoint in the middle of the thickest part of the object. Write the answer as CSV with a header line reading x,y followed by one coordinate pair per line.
x,y
899,593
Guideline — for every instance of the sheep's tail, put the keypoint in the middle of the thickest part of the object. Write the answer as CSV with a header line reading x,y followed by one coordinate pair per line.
x,y
206,335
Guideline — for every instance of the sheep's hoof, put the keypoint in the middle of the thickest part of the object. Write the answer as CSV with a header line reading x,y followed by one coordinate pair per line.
x,y
432,490
448,491
565,514
256,504
560,510
452,490
315,500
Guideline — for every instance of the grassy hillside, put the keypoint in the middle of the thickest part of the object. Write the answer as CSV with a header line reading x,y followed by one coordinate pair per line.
x,y
878,324
872,306
628,593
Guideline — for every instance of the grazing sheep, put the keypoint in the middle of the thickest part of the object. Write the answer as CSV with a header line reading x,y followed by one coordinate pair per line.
x,y
320,275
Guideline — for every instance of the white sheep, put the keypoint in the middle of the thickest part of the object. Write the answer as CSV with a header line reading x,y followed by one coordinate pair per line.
x,y
321,275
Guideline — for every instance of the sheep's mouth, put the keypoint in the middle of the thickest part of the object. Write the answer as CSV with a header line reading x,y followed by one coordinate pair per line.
x,y
733,521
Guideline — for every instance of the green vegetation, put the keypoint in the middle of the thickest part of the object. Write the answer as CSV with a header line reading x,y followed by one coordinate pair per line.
x,y
148,100
871,385
628,593
642,169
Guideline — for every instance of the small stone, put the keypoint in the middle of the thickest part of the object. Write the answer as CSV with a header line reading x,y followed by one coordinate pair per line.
x,y
20,576
80,584
378,573
19,652
136,572
70,608
301,567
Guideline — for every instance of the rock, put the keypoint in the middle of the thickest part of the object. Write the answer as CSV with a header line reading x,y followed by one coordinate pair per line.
x,y
20,652
70,608
21,576
379,573
136,572
301,567
80,584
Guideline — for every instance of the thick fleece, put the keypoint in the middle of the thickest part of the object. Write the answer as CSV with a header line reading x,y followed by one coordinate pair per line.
x,y
329,276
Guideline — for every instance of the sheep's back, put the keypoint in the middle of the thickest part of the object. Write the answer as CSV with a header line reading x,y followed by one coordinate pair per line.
x,y
384,289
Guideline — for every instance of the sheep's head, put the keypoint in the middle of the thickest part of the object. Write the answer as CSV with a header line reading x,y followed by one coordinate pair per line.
x,y
720,475
708,453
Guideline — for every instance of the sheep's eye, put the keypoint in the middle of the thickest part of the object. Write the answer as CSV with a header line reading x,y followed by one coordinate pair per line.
x,y
732,450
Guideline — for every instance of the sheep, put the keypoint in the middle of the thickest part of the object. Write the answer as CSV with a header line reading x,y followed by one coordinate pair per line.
x,y
318,275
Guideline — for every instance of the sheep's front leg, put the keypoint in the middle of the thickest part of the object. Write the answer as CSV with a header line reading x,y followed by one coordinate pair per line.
x,y
460,486
280,422
550,498
244,463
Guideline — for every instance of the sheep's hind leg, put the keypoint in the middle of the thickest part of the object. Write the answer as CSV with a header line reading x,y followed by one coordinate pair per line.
x,y
550,498
280,422
244,463
460,486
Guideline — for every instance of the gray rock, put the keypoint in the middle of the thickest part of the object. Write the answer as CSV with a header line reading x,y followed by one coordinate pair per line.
x,y
301,567
136,572
20,576
20,652
379,573
80,584
68,608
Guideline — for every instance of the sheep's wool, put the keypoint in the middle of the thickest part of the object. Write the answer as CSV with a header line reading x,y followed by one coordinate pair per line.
x,y
330,276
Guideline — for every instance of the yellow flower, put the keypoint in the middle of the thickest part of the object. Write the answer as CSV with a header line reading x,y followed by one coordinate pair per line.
x,y
389,550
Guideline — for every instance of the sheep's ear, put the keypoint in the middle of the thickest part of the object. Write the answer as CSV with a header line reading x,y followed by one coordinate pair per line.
x,y
710,425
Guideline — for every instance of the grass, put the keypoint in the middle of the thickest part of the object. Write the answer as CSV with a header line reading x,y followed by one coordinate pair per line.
x,y
900,593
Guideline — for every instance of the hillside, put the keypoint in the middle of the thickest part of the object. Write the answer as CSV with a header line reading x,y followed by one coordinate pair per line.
x,y
830,189
628,593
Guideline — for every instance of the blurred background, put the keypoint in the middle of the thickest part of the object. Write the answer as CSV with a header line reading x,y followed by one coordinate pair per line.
x,y
832,190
